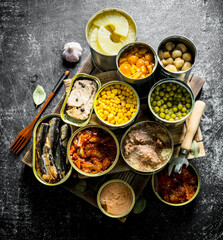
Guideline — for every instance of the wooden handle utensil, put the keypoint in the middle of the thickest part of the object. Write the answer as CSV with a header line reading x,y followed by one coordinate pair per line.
x,y
193,124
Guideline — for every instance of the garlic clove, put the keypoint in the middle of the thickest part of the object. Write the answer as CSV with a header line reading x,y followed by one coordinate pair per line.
x,y
72,52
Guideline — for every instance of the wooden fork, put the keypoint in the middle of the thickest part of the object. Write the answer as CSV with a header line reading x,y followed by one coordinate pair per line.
x,y
25,135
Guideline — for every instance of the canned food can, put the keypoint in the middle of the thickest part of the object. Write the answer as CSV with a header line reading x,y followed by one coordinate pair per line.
x,y
182,75
101,61
143,85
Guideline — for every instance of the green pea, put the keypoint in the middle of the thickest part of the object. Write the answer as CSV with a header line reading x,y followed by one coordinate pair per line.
x,y
169,104
164,106
162,109
179,95
165,98
166,111
188,100
170,113
179,90
151,99
158,88
175,109
156,109
180,106
170,98
157,98
188,105
167,117
167,95
162,93
158,103
154,103
171,84
184,114
162,101
157,93
174,87
183,99
153,94
162,115
184,90
176,118
173,115
171,93
184,109
163,85
179,114
168,88
171,119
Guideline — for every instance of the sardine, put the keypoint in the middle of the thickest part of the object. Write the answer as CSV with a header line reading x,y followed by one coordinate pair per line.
x,y
40,139
54,133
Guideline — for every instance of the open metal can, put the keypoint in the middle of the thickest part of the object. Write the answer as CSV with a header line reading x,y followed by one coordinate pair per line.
x,y
142,85
182,75
101,61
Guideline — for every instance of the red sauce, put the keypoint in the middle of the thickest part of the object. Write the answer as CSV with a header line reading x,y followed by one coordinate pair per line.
x,y
93,150
177,188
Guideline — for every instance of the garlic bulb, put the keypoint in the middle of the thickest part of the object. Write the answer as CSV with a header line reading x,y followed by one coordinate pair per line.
x,y
72,52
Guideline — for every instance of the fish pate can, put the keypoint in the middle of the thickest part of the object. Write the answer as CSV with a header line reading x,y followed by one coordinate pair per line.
x,y
102,61
71,120
46,119
182,75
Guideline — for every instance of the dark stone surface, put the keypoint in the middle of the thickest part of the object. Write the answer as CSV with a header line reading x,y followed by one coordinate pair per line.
x,y
32,36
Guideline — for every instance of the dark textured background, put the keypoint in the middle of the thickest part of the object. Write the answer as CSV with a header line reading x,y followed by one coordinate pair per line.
x,y
32,36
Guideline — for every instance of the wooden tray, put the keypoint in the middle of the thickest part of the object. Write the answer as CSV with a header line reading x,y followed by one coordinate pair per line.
x,y
121,170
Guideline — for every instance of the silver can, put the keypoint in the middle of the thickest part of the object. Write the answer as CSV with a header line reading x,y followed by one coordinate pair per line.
x,y
182,75
101,61
143,85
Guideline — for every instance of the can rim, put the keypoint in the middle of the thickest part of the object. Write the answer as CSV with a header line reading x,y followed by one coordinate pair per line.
x,y
34,153
125,47
180,83
113,83
184,203
173,37
99,193
156,170
108,10
117,149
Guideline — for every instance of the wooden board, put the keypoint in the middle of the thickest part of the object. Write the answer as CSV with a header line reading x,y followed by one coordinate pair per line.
x,y
121,170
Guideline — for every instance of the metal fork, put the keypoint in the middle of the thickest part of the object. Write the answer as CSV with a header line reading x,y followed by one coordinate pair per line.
x,y
25,135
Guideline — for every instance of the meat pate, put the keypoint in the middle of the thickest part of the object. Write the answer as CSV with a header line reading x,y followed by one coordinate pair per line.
x,y
147,147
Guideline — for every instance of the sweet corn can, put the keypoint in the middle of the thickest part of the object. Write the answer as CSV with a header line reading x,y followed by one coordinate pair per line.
x,y
121,125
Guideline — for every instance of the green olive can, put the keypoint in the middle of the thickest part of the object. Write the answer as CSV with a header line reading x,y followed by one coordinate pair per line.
x,y
155,187
181,75
46,119
99,173
143,85
167,123
71,120
104,62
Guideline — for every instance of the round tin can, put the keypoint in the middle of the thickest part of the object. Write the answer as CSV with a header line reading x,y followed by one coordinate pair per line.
x,y
142,85
155,184
39,178
112,126
104,129
182,75
101,61
171,124
99,203
152,171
